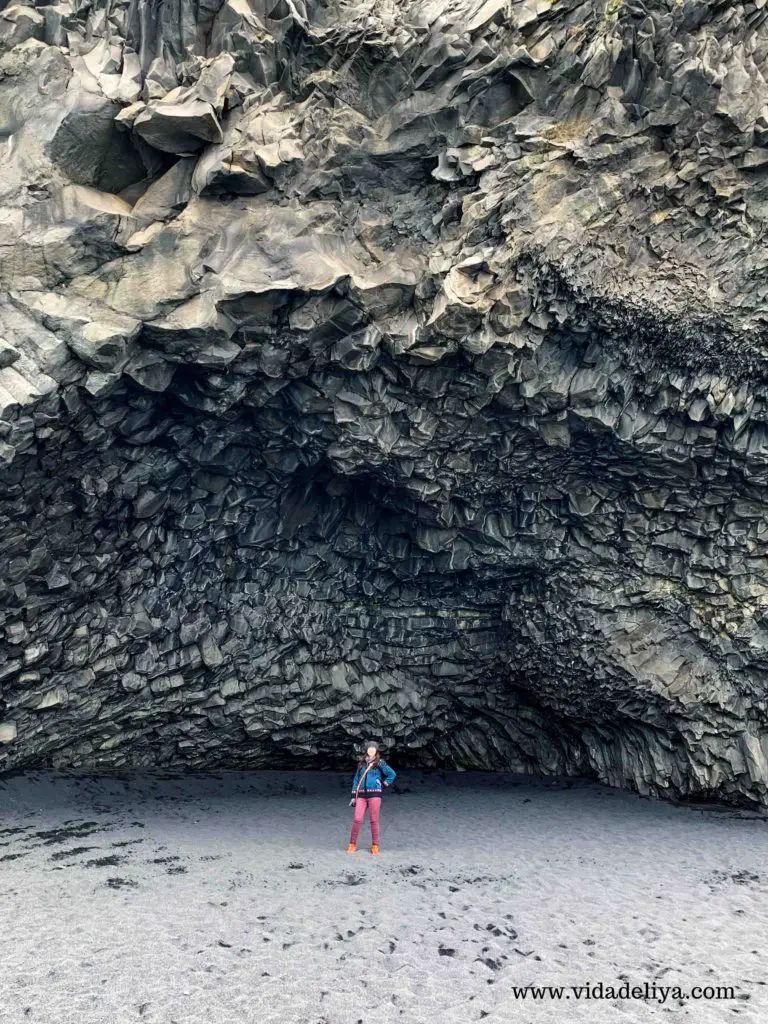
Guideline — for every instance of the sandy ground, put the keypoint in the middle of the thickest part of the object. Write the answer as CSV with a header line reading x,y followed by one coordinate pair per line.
x,y
229,897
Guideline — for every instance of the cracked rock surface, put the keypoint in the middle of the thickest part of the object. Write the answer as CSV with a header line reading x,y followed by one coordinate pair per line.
x,y
391,368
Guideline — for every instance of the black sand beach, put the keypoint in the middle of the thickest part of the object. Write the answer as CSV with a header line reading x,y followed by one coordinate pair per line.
x,y
228,897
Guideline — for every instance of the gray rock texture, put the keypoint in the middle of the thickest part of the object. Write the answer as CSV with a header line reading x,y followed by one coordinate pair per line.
x,y
386,368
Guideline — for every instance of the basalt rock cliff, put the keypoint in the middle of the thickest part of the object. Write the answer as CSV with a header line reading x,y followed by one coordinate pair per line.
x,y
386,368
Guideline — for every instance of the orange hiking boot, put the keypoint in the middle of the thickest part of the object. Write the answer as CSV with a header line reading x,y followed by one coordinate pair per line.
x,y
352,848
374,848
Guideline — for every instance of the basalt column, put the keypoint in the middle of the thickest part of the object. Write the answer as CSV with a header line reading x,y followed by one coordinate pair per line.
x,y
386,369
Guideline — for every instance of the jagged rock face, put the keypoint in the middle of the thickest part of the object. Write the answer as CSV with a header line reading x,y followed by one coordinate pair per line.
x,y
389,369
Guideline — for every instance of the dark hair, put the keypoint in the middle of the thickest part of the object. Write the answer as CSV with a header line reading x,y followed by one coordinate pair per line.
x,y
374,761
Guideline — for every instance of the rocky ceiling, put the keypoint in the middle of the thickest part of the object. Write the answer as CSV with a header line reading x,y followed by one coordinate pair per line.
x,y
386,368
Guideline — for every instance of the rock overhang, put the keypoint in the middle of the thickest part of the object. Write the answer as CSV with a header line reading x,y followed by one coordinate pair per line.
x,y
439,412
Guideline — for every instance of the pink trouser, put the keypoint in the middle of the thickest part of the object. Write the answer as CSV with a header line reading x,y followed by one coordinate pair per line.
x,y
374,806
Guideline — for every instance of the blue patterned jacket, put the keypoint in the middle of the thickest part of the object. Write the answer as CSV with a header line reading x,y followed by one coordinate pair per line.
x,y
373,783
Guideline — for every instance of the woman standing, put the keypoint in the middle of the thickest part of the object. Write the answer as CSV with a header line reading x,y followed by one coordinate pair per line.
x,y
372,777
